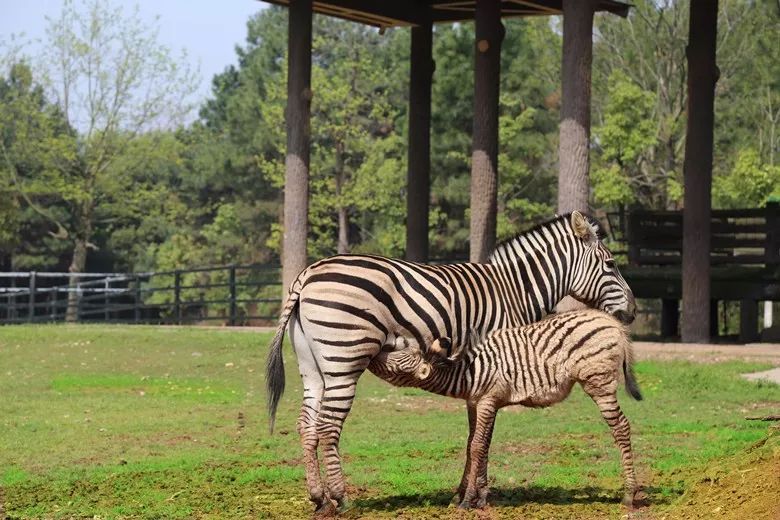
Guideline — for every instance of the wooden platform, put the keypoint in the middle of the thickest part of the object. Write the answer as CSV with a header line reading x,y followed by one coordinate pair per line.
x,y
745,260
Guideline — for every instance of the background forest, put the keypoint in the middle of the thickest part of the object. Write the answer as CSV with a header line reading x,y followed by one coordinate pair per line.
x,y
103,167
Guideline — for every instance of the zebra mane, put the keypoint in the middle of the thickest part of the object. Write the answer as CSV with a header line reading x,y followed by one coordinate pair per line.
x,y
538,230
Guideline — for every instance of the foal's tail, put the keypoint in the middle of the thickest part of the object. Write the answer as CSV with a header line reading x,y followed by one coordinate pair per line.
x,y
274,369
632,387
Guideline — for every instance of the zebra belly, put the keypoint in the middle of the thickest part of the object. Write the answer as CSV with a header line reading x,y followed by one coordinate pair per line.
x,y
543,397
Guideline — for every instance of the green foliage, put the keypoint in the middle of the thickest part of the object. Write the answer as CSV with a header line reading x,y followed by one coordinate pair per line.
x,y
750,183
628,129
142,194
640,99
611,186
622,170
36,146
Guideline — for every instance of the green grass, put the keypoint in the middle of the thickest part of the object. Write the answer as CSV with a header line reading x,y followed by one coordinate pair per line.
x,y
150,422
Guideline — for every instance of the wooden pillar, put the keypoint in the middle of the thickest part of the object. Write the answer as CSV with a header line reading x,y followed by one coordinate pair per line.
x,y
748,321
573,148
484,156
670,317
714,333
296,180
418,183
697,171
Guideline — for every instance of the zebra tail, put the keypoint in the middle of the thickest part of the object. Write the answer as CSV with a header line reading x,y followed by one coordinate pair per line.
x,y
631,385
274,369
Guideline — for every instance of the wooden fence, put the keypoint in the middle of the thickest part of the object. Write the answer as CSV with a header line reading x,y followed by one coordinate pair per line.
x,y
230,295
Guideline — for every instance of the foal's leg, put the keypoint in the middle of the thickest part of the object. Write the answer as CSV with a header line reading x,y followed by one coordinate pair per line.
x,y
604,394
313,386
472,410
478,451
482,478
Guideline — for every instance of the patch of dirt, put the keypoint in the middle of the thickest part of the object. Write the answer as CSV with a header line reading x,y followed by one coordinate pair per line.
x,y
423,404
520,448
708,353
772,376
745,486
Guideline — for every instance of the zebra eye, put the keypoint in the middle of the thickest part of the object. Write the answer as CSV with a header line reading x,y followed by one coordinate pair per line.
x,y
610,263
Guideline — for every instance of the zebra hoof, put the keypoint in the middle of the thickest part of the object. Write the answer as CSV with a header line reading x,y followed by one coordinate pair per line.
x,y
634,499
325,510
467,503
342,504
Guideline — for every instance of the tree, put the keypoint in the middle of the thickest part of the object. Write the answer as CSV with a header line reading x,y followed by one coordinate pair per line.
x,y
112,81
351,119
623,173
640,99
35,144
750,183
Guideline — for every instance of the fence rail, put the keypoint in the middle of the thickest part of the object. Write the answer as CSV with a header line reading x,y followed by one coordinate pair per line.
x,y
232,295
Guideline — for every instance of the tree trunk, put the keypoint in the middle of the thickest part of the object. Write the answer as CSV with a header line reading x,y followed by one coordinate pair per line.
x,y
418,184
298,114
343,243
573,156
697,171
484,158
77,265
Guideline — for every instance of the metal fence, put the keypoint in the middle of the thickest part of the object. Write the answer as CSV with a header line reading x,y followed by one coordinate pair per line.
x,y
231,295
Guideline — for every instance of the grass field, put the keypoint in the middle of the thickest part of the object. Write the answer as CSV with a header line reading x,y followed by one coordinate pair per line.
x,y
150,422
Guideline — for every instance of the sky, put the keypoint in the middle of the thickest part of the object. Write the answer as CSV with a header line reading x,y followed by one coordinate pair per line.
x,y
208,29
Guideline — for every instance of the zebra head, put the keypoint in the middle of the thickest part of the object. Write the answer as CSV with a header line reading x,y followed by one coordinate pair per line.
x,y
597,281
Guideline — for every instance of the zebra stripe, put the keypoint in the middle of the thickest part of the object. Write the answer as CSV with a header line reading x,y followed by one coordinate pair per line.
x,y
344,310
536,365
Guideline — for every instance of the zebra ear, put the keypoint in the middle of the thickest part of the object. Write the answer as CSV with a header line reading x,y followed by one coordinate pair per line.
x,y
582,227
423,371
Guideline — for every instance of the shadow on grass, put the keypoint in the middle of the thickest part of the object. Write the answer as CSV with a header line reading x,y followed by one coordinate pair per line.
x,y
512,497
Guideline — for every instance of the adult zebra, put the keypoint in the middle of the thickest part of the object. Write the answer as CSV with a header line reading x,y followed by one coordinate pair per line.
x,y
343,310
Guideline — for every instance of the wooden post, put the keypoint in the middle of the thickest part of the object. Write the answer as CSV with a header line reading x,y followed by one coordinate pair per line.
x,y
418,184
298,115
772,250
12,300
670,317
31,300
484,156
106,300
697,171
137,306
177,296
232,285
748,321
573,148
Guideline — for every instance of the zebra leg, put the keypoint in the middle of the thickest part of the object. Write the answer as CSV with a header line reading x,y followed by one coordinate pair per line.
x,y
313,386
336,403
474,495
605,397
482,479
472,410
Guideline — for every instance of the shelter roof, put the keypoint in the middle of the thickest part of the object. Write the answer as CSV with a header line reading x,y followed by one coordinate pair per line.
x,y
394,13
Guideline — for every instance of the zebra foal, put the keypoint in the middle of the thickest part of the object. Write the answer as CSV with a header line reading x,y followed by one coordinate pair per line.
x,y
536,365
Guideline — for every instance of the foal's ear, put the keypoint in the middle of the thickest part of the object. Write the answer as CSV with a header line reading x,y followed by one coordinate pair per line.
x,y
423,371
582,228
